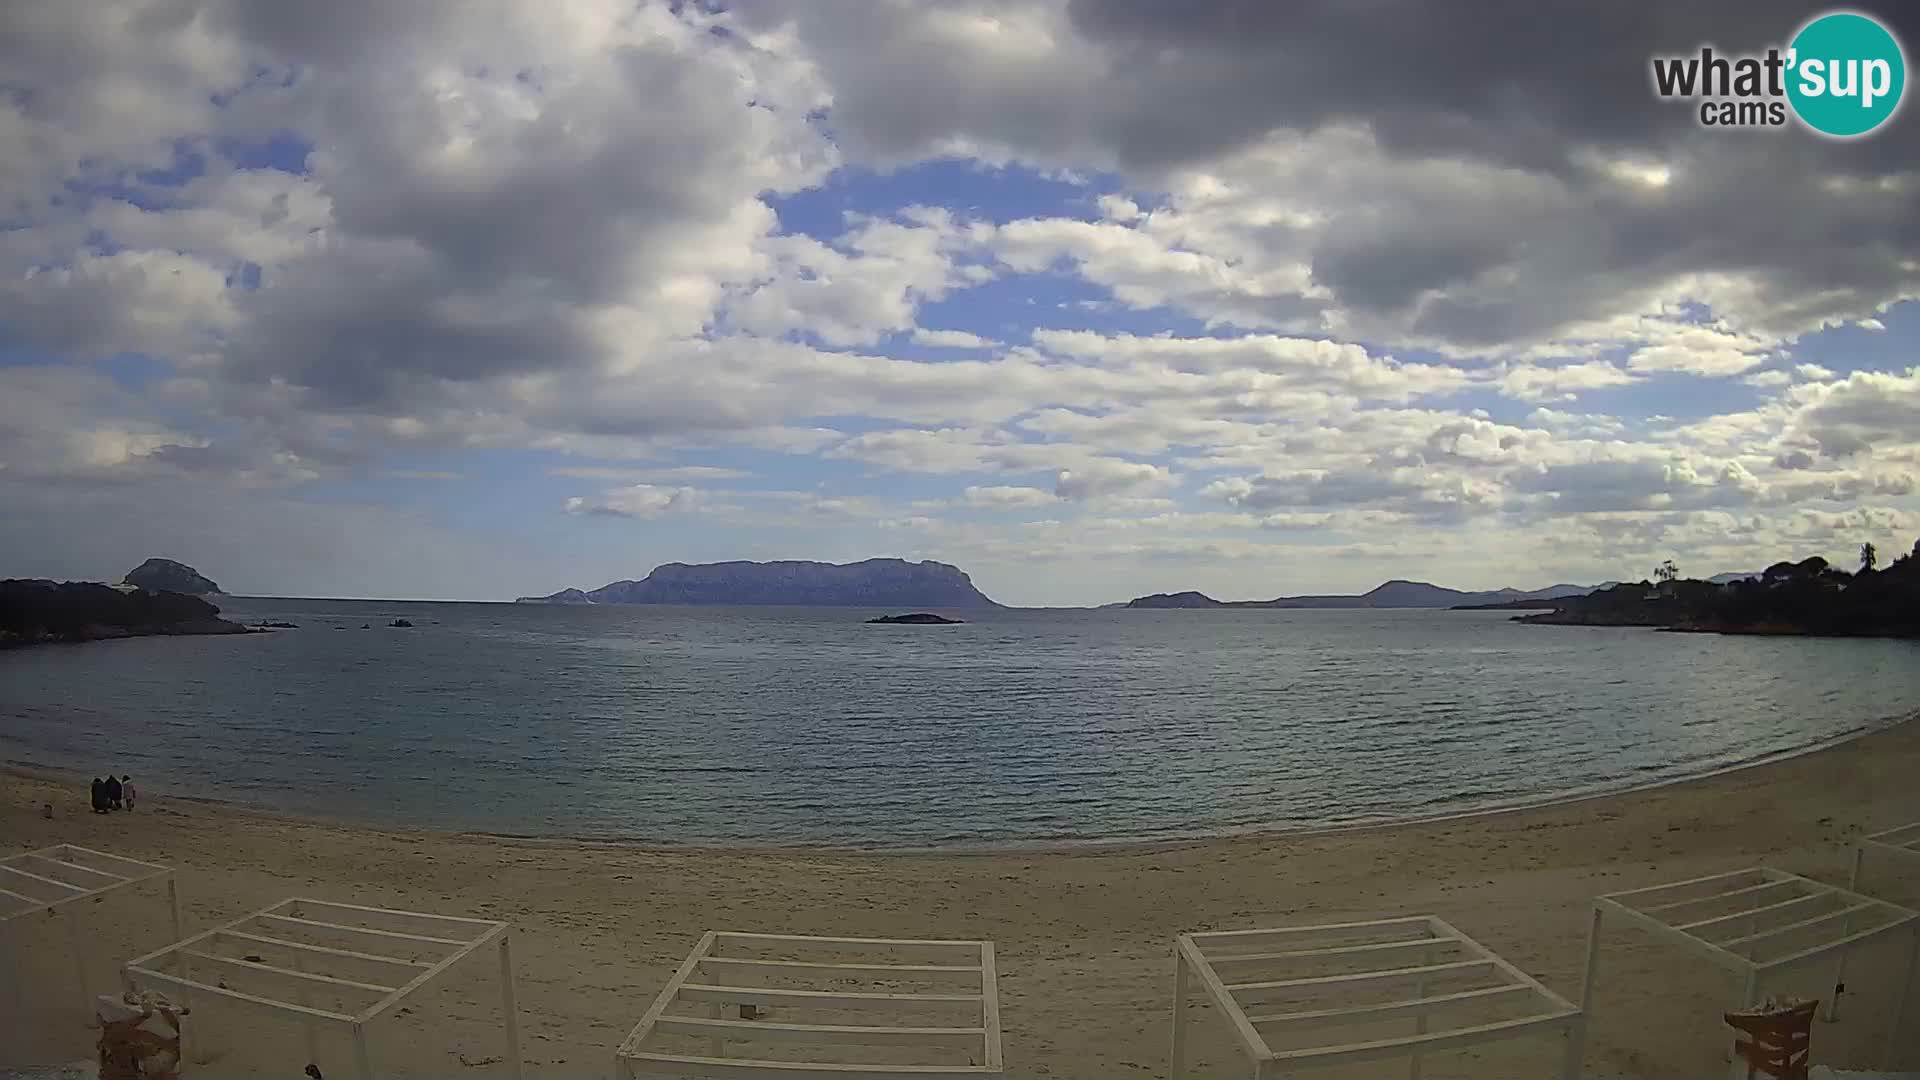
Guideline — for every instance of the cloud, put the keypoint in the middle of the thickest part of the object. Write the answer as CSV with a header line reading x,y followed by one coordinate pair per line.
x,y
1440,204
639,500
253,252
1105,477
1864,412
859,295
1529,382
1700,350
951,339
660,475
1003,497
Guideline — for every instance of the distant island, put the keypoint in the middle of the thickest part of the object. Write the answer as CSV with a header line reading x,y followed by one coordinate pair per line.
x,y
1392,594
37,612
1809,597
918,618
165,575
894,583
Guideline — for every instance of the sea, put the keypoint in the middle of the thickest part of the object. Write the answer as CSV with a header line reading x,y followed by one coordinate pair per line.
x,y
778,727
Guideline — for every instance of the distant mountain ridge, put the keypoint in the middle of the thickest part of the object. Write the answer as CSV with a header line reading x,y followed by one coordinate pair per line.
x,y
1391,594
799,583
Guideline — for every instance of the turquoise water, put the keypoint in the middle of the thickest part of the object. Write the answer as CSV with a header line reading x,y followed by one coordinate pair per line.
x,y
805,726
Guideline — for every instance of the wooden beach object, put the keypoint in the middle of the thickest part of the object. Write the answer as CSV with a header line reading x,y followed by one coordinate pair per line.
x,y
321,962
1779,1036
788,1007
1757,923
54,882
1282,990
1900,842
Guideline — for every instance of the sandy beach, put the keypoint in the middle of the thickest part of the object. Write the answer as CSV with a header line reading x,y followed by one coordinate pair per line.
x,y
1083,936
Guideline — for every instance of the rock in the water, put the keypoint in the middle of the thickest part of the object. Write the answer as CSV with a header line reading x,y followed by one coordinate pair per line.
x,y
165,575
400,623
918,618
269,624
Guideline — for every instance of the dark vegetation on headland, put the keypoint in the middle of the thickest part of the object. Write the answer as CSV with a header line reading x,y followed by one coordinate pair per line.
x,y
1809,597
1392,594
35,612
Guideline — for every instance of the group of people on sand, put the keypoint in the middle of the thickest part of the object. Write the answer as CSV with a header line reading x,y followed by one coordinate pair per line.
x,y
112,794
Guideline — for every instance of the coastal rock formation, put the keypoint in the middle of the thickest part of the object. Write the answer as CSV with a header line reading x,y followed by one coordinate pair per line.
x,y
918,618
35,612
165,575
871,583
1391,594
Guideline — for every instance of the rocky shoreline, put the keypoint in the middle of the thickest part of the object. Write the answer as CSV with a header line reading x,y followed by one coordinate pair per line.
x,y
36,612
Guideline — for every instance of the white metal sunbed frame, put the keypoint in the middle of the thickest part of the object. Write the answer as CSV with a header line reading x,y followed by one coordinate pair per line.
x,y
1732,919
1902,841
273,964
715,973
55,881
1393,952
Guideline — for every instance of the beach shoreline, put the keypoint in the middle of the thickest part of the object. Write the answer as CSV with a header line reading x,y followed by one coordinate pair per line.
x,y
1083,933
57,776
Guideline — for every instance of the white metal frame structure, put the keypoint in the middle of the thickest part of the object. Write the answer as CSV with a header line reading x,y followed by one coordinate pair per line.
x,y
1757,923
290,958
55,880
1450,974
720,972
1901,841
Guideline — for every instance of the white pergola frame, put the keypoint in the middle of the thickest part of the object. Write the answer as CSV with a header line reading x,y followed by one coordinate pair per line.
x,y
1660,910
75,874
448,938
917,960
1381,941
1902,840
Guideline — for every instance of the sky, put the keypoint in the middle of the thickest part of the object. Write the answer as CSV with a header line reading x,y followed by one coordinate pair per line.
x,y
473,299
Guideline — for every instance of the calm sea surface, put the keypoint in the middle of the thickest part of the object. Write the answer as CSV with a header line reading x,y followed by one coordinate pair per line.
x,y
805,726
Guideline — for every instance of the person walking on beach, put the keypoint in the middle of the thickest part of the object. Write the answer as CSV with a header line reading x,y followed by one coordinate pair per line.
x,y
113,792
126,792
99,796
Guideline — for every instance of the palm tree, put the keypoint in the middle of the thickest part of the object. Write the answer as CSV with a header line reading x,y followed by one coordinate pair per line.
x,y
1868,557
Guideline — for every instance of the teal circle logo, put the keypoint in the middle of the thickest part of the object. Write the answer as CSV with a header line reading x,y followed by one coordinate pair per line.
x,y
1846,74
